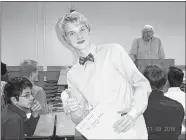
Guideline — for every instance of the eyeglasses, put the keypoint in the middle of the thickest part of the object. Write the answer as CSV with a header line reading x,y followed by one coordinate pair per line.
x,y
28,96
148,31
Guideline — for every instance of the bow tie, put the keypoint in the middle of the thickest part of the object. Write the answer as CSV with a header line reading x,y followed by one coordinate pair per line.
x,y
83,60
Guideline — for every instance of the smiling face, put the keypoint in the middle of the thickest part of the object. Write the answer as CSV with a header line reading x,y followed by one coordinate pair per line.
x,y
75,30
77,35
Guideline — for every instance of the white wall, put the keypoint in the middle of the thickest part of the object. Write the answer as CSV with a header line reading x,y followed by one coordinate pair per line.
x,y
28,28
18,32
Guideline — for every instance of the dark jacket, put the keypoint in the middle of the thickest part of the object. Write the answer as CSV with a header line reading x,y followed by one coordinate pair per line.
x,y
14,123
163,117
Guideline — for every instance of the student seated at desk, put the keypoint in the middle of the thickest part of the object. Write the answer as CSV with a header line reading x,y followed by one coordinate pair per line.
x,y
4,79
29,69
163,115
175,78
14,124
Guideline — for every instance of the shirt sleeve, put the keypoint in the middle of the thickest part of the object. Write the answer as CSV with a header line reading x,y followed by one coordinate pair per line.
x,y
75,93
41,97
161,51
138,82
30,125
133,51
12,130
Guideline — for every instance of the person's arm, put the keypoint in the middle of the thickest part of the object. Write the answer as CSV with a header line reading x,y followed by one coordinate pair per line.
x,y
12,130
78,115
30,125
41,97
142,88
161,51
133,51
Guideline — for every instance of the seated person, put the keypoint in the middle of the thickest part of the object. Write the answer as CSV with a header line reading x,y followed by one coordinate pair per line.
x,y
4,75
14,124
175,79
4,79
163,115
28,69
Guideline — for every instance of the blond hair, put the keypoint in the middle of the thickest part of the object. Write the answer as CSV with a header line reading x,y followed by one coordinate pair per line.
x,y
73,17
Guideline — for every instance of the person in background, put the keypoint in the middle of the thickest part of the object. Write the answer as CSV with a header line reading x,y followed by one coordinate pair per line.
x,y
14,124
4,75
147,46
104,74
29,69
4,79
163,115
175,79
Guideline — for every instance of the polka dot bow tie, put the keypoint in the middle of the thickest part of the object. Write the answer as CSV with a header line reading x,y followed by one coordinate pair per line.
x,y
83,60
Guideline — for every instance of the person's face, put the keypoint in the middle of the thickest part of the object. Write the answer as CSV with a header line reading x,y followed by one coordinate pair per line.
x,y
34,75
25,99
147,35
77,35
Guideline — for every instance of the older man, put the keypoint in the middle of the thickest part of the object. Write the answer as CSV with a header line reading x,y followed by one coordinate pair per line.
x,y
148,46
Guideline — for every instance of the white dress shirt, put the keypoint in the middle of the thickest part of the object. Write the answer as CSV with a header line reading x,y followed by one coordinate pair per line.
x,y
112,78
175,93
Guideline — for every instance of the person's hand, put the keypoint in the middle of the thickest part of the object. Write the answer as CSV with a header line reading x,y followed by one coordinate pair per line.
x,y
73,105
123,124
36,107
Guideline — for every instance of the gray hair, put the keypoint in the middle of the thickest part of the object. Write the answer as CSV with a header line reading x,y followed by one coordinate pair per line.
x,y
147,28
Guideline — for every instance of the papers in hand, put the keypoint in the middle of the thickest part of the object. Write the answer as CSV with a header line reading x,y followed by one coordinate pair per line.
x,y
98,124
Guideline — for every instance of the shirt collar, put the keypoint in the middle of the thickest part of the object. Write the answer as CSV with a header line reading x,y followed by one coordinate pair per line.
x,y
17,110
172,89
155,94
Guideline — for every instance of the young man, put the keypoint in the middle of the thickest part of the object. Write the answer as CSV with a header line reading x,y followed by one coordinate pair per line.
x,y
163,115
29,69
14,123
175,78
104,73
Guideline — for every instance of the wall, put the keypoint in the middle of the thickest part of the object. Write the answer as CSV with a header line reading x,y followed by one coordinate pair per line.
x,y
28,28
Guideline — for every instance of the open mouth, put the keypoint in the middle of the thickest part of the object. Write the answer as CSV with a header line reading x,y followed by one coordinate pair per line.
x,y
80,42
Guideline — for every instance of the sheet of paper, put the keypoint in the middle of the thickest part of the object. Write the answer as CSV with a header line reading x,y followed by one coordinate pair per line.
x,y
98,124
45,125
64,126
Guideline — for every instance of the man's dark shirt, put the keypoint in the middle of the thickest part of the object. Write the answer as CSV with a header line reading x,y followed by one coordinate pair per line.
x,y
163,117
14,123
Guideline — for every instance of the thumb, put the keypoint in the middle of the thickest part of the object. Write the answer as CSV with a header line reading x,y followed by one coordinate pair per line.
x,y
71,95
68,91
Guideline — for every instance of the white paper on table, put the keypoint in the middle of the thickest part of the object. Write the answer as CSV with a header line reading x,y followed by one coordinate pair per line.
x,y
45,125
64,126
98,124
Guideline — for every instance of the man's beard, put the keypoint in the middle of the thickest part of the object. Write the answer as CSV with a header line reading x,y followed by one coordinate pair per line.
x,y
147,38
